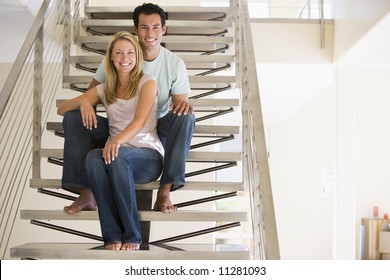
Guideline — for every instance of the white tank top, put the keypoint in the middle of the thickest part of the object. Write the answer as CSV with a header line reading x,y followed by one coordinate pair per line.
x,y
121,113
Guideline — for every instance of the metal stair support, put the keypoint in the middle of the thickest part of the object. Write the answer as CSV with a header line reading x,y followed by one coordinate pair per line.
x,y
190,186
87,251
226,160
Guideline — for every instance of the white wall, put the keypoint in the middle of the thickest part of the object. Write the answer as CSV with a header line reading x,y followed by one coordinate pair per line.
x,y
335,137
372,138
302,159
361,59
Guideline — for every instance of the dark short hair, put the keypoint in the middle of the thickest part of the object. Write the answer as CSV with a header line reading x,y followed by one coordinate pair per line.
x,y
148,9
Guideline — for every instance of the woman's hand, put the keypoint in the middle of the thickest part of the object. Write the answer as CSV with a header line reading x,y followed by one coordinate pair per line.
x,y
88,114
110,151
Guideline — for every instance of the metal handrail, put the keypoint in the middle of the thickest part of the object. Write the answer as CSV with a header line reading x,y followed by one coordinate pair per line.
x,y
255,160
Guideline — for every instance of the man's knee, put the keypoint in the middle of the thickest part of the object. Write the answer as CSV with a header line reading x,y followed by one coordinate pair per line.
x,y
188,119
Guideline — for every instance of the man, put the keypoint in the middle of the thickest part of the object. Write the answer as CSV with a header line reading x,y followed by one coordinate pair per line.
x,y
176,121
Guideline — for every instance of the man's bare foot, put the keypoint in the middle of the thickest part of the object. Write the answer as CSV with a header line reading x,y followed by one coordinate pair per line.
x,y
163,202
113,246
130,246
86,201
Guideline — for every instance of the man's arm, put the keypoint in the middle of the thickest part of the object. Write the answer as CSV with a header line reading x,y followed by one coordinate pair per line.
x,y
93,84
99,76
180,91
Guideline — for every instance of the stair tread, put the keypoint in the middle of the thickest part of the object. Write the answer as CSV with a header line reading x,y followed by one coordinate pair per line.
x,y
128,23
181,215
191,39
190,186
52,250
168,9
202,102
86,79
186,58
192,155
204,129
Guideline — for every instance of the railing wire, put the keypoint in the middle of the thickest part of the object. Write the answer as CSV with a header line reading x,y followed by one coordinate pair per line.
x,y
17,108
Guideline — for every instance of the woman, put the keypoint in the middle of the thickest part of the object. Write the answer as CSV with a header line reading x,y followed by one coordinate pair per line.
x,y
133,152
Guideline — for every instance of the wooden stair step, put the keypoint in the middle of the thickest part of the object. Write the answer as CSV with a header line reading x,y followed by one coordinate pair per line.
x,y
201,102
171,10
128,23
202,129
96,251
191,39
190,186
187,58
182,215
192,155
86,79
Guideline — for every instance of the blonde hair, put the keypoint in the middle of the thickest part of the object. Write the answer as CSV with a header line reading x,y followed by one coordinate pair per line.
x,y
135,75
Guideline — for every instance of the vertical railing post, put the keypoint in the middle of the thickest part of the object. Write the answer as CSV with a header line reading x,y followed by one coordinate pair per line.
x,y
257,175
322,23
67,40
37,109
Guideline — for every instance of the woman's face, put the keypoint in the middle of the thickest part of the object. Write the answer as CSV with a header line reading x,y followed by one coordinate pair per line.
x,y
124,56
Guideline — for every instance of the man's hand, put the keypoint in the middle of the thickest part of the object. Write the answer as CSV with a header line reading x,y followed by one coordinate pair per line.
x,y
180,105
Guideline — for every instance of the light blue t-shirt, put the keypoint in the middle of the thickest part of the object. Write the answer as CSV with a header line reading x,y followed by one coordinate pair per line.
x,y
170,73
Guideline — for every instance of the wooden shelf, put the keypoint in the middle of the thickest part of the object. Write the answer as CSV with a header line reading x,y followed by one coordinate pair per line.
x,y
372,229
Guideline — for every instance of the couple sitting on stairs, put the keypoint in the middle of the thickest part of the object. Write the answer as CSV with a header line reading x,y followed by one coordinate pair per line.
x,y
144,88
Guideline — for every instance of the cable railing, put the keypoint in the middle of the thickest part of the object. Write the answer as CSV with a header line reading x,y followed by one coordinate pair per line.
x,y
25,103
255,161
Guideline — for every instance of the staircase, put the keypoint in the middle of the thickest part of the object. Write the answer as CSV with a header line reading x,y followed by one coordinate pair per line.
x,y
205,38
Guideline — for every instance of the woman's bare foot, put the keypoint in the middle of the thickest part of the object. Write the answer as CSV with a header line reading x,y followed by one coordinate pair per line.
x,y
130,246
113,246
86,201
163,202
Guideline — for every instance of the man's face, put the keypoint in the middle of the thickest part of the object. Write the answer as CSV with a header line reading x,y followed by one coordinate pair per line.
x,y
150,31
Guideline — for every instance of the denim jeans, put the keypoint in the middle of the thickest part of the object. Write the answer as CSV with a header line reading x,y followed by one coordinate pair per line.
x,y
113,186
78,143
175,133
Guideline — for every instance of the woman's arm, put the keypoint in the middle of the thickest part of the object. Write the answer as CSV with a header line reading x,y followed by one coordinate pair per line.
x,y
147,99
86,103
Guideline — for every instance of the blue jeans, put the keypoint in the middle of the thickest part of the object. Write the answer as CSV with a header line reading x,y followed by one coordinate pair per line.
x,y
79,141
113,186
175,133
